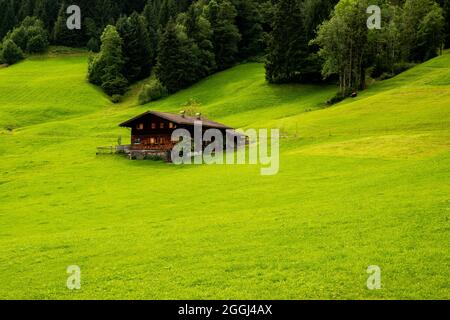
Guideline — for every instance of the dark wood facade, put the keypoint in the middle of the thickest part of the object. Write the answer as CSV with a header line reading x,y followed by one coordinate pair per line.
x,y
152,131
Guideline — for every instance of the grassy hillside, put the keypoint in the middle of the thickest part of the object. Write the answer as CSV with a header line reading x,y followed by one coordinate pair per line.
x,y
363,183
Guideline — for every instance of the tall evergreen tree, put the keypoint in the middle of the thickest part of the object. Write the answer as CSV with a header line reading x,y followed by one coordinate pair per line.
x,y
288,43
46,11
222,16
199,30
249,23
266,9
8,19
136,47
63,35
150,14
26,9
314,13
103,12
176,64
183,5
168,10
128,7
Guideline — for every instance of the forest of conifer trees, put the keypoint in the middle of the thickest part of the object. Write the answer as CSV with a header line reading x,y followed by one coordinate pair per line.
x,y
179,42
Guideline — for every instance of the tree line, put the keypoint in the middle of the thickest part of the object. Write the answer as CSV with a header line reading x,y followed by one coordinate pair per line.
x,y
343,47
178,42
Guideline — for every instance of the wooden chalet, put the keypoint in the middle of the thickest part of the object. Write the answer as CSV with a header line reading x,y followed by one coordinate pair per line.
x,y
151,132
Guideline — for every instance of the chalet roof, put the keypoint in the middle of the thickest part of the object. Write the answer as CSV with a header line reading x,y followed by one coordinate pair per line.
x,y
177,119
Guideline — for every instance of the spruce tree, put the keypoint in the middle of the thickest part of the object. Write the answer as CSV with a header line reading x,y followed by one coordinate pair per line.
x,y
314,12
199,30
249,23
288,44
105,69
8,18
136,47
168,10
26,9
103,13
176,61
41,11
222,16
151,12
63,35
151,19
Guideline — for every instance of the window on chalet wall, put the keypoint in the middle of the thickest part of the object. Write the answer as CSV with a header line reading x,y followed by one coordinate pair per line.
x,y
161,125
152,140
171,125
153,125
140,126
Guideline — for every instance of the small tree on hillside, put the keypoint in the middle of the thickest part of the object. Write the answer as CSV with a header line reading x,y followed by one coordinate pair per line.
x,y
106,67
11,52
37,43
30,36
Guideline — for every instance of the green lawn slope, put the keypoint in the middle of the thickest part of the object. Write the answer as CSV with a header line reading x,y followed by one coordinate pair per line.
x,y
365,182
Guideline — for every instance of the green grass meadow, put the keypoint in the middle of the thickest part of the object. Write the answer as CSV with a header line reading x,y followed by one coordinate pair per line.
x,y
365,182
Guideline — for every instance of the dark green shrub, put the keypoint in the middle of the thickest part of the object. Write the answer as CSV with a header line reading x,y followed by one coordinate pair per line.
x,y
386,76
115,85
37,43
402,67
30,36
116,98
11,52
93,45
152,91
340,96
396,70
95,69
19,36
154,157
